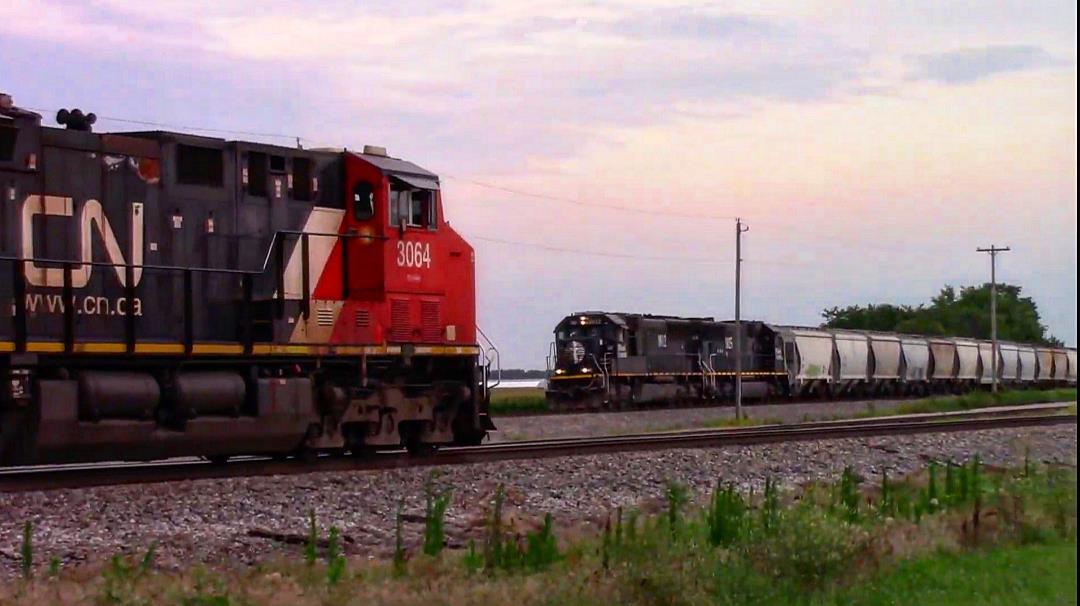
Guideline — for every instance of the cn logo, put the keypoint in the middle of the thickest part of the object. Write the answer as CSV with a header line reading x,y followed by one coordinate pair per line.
x,y
91,218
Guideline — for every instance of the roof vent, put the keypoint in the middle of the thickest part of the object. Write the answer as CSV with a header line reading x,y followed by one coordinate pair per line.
x,y
6,102
75,119
375,150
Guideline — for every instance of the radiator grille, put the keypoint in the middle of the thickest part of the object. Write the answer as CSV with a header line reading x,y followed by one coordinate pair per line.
x,y
431,320
363,318
324,317
399,320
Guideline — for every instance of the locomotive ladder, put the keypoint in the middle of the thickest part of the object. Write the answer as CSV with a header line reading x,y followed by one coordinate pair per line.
x,y
708,376
605,373
490,355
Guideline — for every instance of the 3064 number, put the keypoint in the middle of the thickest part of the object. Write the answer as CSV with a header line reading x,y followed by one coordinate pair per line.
x,y
413,254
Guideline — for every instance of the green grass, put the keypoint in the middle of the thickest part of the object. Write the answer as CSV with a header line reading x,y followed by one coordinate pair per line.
x,y
1006,576
531,400
983,399
743,422
518,400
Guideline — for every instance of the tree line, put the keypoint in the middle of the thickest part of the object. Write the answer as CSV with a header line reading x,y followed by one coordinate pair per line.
x,y
963,313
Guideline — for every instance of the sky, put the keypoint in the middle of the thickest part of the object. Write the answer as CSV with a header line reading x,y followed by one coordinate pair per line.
x,y
596,154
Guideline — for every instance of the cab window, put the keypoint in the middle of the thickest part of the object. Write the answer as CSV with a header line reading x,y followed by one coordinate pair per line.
x,y
399,205
413,207
8,135
363,201
421,208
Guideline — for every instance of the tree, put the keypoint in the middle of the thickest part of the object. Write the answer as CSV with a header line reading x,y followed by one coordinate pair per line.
x,y
951,313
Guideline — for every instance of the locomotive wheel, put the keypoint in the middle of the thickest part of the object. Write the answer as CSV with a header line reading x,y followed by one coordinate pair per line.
x,y
469,438
417,448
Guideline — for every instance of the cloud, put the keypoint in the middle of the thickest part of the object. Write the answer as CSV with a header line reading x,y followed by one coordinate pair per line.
x,y
683,23
971,64
449,74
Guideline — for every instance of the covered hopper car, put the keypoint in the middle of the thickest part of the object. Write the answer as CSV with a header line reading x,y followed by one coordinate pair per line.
x,y
169,294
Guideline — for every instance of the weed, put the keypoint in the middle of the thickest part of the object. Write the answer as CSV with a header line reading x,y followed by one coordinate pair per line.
x,y
473,561
808,547
311,547
147,562
434,520
493,543
631,530
886,502
930,502
770,506
541,548
399,540
725,516
848,495
605,544
618,527
54,566
335,559
676,498
27,551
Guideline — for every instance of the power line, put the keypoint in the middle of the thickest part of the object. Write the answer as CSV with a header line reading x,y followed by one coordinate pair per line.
x,y
594,253
578,202
617,255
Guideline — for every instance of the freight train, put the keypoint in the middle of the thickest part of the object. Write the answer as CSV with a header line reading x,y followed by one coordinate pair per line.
x,y
604,359
167,294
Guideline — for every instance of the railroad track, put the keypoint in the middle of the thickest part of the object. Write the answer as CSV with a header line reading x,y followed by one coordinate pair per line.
x,y
27,479
553,410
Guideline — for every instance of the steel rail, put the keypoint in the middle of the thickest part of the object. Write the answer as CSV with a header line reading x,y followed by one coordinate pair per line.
x,y
27,479
696,403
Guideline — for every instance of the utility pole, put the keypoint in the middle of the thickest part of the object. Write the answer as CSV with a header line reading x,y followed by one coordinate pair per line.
x,y
993,250
739,230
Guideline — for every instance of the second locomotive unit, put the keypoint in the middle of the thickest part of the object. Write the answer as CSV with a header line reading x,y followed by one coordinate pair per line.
x,y
171,294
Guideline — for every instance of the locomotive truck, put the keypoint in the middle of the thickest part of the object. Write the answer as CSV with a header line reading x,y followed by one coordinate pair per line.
x,y
167,294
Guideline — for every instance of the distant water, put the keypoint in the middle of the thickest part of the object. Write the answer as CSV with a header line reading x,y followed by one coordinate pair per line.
x,y
519,383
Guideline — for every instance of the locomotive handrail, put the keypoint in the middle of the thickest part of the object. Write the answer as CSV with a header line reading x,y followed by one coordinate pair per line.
x,y
489,350
291,232
603,373
246,284
221,270
708,373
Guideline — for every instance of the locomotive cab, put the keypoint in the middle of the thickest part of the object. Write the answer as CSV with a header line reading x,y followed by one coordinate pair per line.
x,y
584,341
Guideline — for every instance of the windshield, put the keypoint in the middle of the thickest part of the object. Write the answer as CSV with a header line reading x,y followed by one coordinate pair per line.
x,y
580,333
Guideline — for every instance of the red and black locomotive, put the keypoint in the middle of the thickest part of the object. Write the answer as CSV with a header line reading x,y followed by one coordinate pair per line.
x,y
167,294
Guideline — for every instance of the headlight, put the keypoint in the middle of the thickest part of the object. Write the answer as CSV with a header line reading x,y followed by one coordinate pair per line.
x,y
560,371
586,370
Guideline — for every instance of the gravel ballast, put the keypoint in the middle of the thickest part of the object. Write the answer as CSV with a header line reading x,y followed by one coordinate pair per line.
x,y
539,427
213,521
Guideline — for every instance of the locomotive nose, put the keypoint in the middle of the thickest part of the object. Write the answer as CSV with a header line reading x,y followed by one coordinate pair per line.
x,y
576,351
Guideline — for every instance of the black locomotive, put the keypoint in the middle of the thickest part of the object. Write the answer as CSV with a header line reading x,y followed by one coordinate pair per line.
x,y
615,358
